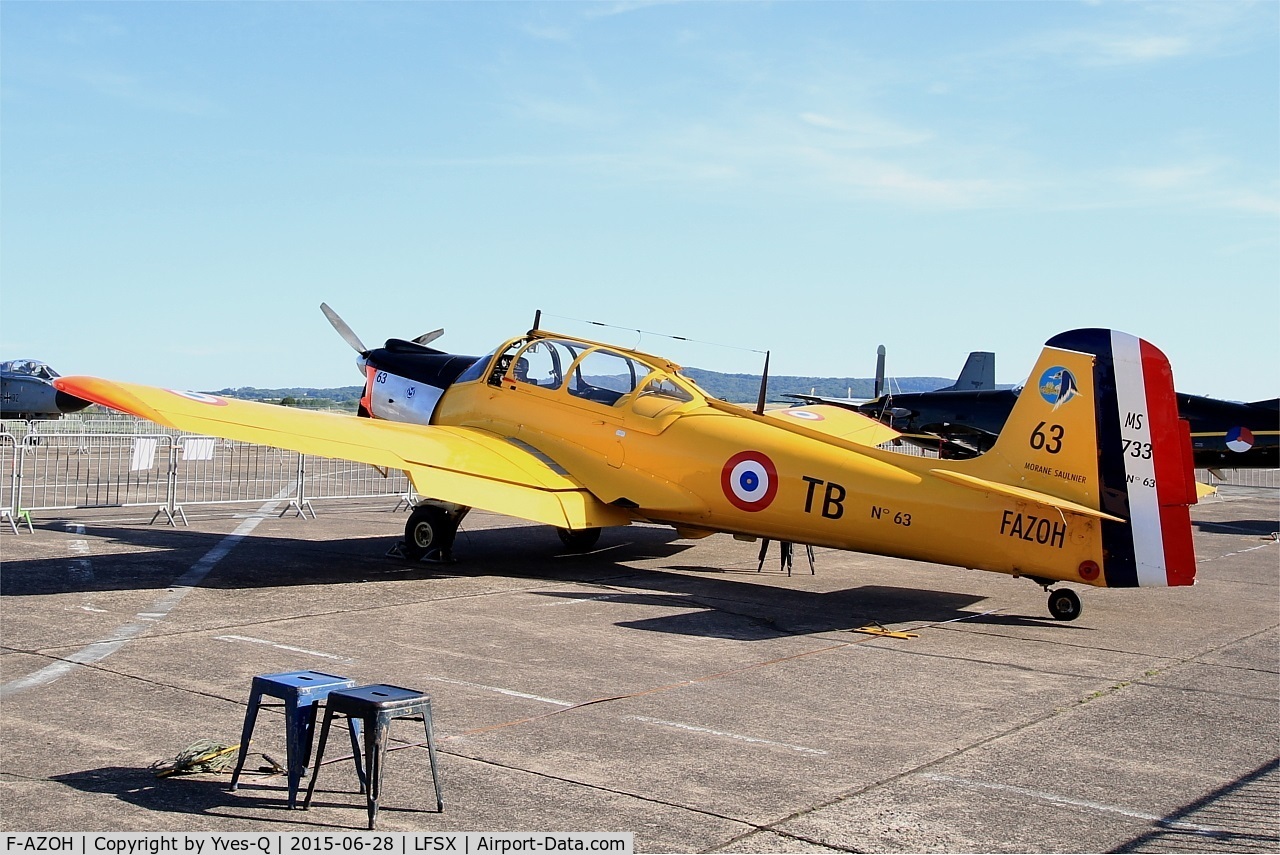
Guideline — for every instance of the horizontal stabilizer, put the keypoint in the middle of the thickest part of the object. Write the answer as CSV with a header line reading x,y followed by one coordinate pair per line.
x,y
1021,494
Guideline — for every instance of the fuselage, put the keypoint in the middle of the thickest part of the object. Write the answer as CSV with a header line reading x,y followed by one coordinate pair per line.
x,y
645,438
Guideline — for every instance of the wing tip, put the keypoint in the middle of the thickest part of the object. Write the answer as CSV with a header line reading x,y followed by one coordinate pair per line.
x,y
108,394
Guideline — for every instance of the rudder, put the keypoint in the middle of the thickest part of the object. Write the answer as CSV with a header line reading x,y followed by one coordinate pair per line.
x,y
1097,424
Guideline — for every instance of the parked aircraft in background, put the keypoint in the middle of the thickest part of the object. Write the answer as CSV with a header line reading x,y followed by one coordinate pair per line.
x,y
1233,435
979,372
961,424
27,392
1088,483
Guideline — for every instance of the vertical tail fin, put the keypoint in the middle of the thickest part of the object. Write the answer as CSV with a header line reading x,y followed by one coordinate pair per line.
x,y
1097,424
977,375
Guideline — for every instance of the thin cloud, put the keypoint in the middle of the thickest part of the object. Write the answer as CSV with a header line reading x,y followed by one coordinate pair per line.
x,y
623,7
548,32
1152,33
865,131
139,93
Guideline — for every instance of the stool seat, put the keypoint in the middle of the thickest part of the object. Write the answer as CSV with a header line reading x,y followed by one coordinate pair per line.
x,y
376,706
301,692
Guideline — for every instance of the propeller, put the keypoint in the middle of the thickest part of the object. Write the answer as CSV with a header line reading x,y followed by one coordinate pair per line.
x,y
879,371
348,335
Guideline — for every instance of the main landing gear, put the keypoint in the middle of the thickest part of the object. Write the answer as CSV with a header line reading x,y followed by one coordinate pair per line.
x,y
578,540
431,528
433,525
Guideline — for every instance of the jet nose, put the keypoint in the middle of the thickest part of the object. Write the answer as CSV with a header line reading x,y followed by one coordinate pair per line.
x,y
69,403
361,363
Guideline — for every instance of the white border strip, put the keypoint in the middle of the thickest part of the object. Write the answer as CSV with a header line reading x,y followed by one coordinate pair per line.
x,y
1140,472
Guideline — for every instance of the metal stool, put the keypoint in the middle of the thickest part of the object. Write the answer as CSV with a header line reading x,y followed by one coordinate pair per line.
x,y
301,691
376,706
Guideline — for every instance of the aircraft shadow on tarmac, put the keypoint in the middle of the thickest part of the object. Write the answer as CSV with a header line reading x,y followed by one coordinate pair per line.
x,y
743,611
159,556
735,603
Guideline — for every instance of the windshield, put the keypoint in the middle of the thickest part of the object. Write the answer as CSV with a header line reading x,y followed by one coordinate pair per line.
x,y
476,368
30,368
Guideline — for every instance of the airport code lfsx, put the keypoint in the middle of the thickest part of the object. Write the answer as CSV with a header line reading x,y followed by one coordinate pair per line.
x,y
284,843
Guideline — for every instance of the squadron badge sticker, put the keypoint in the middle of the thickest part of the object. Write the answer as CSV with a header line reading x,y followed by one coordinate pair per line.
x,y
1057,386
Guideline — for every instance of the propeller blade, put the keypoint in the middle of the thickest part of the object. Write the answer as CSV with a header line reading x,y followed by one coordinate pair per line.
x,y
427,338
348,335
879,371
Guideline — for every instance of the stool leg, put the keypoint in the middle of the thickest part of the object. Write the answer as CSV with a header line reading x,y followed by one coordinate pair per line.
x,y
353,730
431,751
250,718
296,738
315,773
375,750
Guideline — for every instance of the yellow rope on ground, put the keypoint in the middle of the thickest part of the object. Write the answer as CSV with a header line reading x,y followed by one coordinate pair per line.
x,y
203,755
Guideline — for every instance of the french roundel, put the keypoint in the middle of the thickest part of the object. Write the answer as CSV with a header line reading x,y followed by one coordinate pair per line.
x,y
200,397
750,480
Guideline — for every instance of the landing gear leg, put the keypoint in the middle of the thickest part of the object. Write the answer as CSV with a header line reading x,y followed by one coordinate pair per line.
x,y
579,539
430,530
1064,604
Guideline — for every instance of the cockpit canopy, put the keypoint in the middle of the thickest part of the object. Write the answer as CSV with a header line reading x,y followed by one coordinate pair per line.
x,y
28,368
584,370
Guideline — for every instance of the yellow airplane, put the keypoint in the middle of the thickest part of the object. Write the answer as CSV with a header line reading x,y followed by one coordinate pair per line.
x,y
1090,481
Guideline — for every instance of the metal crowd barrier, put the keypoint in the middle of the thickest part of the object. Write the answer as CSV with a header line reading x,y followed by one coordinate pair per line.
x,y
61,465
1239,477
43,470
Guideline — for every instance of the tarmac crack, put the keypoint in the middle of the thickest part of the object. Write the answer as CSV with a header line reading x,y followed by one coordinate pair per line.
x,y
752,827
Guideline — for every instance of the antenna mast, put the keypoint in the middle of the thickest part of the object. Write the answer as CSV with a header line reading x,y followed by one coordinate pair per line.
x,y
764,386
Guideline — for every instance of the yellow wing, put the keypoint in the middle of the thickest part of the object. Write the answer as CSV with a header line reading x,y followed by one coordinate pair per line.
x,y
834,421
467,466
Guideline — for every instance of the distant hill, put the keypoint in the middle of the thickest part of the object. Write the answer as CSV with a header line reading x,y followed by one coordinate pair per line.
x,y
745,388
738,388
337,398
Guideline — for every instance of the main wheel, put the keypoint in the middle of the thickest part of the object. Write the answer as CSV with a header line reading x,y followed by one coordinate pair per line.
x,y
578,540
1064,604
429,531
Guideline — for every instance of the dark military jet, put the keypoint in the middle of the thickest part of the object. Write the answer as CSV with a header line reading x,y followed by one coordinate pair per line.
x,y
959,424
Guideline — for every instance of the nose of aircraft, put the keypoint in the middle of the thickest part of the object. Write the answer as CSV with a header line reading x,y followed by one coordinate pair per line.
x,y
69,403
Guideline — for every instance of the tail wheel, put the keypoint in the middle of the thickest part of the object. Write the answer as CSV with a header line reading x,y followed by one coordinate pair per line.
x,y
578,540
1064,604
429,532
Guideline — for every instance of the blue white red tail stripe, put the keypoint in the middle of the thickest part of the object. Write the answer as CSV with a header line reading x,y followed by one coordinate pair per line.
x,y
1144,461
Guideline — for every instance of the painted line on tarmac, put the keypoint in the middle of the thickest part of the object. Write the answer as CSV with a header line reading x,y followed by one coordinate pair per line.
x,y
968,783
81,567
572,600
738,736
510,692
182,586
251,640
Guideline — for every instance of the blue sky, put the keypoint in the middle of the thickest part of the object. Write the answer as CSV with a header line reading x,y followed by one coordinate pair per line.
x,y
182,183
